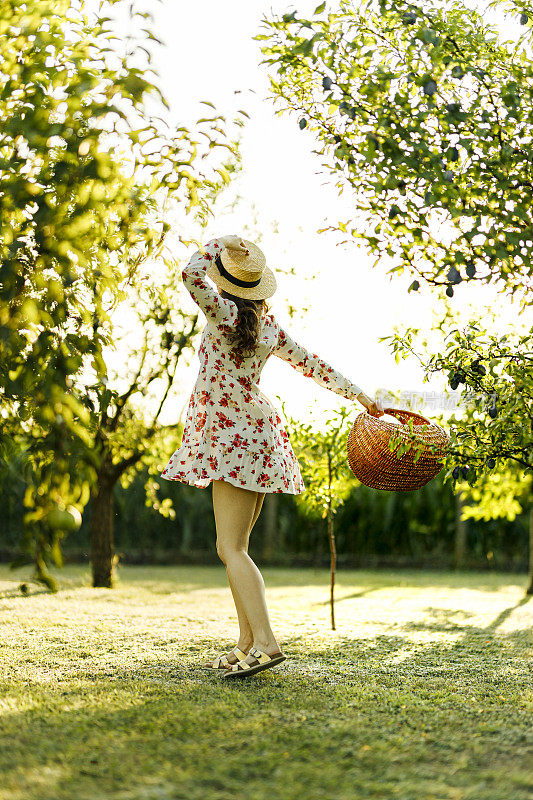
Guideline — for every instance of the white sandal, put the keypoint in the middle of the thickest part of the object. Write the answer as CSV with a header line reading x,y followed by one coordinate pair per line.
x,y
262,661
221,662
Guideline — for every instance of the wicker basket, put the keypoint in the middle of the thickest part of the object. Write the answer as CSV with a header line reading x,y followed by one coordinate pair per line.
x,y
376,466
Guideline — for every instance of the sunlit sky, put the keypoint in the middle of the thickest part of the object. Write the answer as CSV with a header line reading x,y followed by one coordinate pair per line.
x,y
285,197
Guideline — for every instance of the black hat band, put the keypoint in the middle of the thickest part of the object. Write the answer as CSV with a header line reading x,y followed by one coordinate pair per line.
x,y
231,278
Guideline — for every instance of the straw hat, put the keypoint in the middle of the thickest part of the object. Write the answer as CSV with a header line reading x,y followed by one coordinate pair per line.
x,y
243,275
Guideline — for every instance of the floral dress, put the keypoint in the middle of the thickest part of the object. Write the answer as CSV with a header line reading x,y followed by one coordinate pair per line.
x,y
232,431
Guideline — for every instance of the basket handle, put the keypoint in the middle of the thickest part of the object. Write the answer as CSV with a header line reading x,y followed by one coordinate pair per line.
x,y
403,415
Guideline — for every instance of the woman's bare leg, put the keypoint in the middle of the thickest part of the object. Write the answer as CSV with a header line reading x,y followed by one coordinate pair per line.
x,y
246,636
234,510
245,631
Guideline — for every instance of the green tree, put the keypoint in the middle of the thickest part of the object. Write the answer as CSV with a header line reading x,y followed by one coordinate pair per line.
x,y
491,435
504,494
126,410
494,423
423,114
80,159
322,454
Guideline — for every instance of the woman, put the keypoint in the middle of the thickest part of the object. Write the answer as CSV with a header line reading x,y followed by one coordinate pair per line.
x,y
233,436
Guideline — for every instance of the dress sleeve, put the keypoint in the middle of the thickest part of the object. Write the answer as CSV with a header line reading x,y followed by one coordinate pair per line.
x,y
216,308
312,366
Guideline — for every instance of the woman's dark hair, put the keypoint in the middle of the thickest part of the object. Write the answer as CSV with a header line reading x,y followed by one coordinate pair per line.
x,y
244,336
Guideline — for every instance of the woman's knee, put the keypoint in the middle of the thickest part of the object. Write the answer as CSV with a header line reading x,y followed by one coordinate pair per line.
x,y
226,550
234,513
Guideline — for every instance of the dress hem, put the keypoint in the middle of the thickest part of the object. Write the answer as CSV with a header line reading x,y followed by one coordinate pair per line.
x,y
200,484
274,471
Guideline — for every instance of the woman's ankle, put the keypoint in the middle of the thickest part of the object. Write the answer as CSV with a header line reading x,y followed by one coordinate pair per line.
x,y
245,643
267,646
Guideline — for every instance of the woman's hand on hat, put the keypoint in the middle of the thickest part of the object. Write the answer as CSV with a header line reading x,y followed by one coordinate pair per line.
x,y
233,242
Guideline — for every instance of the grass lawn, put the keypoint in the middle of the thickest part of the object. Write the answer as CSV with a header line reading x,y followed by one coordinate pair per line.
x,y
422,693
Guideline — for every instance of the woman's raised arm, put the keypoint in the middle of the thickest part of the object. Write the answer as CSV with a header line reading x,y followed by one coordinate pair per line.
x,y
216,308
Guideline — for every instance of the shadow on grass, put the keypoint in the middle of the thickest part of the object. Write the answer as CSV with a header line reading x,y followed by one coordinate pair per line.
x,y
329,722
15,591
390,716
362,593
444,619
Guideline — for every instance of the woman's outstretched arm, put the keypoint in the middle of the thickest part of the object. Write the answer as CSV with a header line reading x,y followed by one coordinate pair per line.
x,y
216,308
312,366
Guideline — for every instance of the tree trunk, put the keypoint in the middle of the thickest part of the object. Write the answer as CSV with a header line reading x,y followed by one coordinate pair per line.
x,y
270,525
460,533
529,589
102,548
332,548
333,552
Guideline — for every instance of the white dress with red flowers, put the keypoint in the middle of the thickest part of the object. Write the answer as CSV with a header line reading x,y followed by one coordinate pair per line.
x,y
232,431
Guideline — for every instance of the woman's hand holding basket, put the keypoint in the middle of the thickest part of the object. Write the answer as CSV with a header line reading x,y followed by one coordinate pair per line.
x,y
373,407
